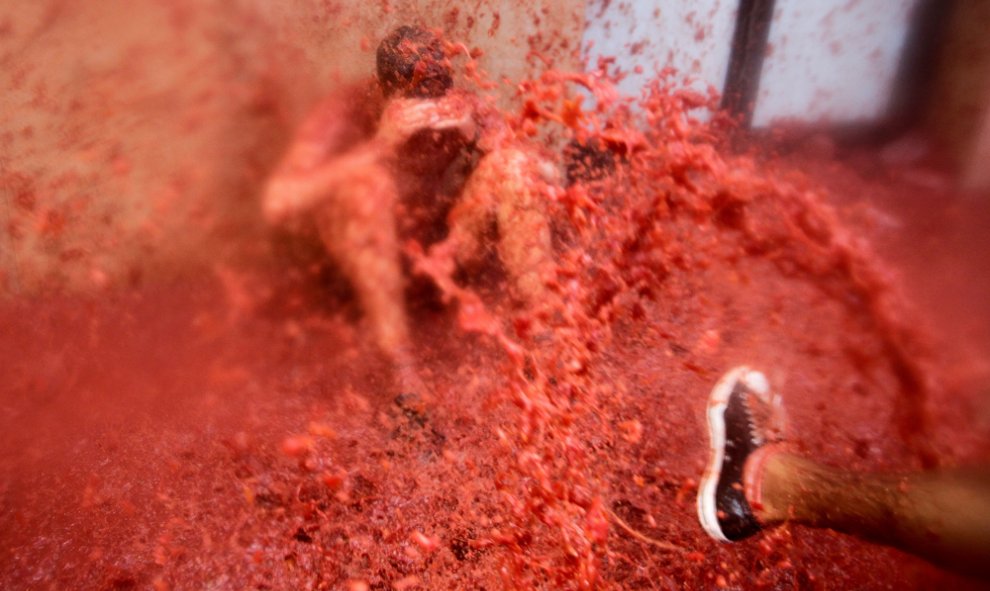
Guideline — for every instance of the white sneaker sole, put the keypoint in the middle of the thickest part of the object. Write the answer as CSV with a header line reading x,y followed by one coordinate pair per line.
x,y
757,383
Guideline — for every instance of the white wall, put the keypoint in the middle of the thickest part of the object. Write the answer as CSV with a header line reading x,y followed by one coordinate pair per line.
x,y
829,60
692,36
832,60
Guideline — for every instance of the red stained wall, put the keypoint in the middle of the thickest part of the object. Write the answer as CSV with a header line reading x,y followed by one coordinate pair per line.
x,y
134,135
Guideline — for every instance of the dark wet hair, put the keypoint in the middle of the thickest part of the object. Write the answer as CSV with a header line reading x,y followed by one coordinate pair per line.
x,y
590,160
411,62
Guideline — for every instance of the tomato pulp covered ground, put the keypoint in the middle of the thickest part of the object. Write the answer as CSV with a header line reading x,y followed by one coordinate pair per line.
x,y
241,432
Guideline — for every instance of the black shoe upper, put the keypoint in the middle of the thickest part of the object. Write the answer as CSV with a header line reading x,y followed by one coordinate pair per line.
x,y
735,516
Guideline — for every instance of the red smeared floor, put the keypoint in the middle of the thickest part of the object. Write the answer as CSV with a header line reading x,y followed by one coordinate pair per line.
x,y
145,441
177,437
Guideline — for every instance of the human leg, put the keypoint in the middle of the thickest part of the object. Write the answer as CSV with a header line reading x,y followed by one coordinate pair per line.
x,y
508,180
469,220
752,482
358,229
942,516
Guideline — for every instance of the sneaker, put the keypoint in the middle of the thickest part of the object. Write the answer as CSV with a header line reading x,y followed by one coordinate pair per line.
x,y
743,416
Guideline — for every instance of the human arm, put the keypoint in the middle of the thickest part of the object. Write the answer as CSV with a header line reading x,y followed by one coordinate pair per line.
x,y
291,191
331,140
405,117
